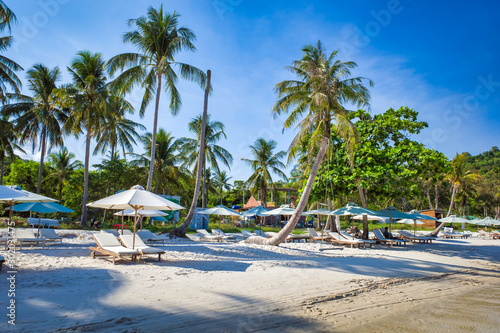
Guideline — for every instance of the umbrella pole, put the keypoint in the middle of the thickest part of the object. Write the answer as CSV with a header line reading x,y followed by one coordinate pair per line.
x,y
220,223
122,221
390,220
39,222
135,221
414,227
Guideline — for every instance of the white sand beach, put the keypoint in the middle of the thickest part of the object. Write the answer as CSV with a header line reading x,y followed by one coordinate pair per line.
x,y
449,285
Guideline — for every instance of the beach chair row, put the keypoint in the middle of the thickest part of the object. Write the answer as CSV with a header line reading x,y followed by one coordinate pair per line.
x,y
39,237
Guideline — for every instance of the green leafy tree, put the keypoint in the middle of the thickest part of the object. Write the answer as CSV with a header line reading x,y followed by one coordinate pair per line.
x,y
62,167
39,119
159,39
24,174
265,163
315,100
8,143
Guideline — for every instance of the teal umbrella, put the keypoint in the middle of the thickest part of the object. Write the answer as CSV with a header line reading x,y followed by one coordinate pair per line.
x,y
256,211
418,216
351,209
392,213
41,208
319,212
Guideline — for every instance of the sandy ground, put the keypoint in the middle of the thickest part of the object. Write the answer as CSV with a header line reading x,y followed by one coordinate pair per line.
x,y
447,286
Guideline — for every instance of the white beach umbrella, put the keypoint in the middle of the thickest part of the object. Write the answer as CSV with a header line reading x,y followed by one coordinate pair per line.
x,y
454,219
487,222
136,198
7,192
411,221
21,196
220,210
141,213
319,212
370,217
282,210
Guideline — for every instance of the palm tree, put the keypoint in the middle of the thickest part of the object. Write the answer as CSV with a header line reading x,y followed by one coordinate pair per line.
x,y
316,102
167,171
87,98
8,77
38,118
221,181
8,142
62,167
159,39
459,176
263,164
117,131
214,132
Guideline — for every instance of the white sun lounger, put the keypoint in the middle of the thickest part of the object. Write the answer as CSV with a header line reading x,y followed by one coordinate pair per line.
x,y
218,232
381,238
109,246
205,235
50,235
27,236
128,241
247,234
3,240
420,239
150,239
261,233
347,236
113,232
338,239
314,235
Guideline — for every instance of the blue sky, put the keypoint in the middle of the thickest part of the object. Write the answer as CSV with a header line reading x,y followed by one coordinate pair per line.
x,y
440,59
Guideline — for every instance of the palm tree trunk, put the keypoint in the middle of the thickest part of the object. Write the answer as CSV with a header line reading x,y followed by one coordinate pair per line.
x,y
42,157
155,129
452,200
436,196
283,234
83,222
428,190
362,195
2,162
181,230
60,189
204,189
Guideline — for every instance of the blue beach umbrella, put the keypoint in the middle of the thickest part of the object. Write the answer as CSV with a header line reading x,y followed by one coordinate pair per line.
x,y
41,208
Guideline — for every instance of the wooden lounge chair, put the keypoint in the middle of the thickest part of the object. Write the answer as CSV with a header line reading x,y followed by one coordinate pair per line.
x,y
205,235
50,235
495,235
128,241
366,241
218,232
315,237
420,239
109,246
151,239
336,238
3,241
381,238
27,236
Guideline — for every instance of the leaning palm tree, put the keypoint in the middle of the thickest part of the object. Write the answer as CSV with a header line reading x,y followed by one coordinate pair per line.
x,y
214,132
8,67
316,102
62,167
39,119
221,182
159,39
264,163
8,142
117,131
87,98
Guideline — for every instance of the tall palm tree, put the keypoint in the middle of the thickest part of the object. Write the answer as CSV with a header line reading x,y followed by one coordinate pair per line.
x,y
214,132
87,98
159,39
316,102
459,176
8,67
221,181
62,167
117,131
167,169
263,164
8,142
39,119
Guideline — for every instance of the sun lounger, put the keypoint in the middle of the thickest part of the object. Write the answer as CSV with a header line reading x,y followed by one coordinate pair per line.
x,y
125,232
446,234
109,246
128,241
366,241
205,235
2,260
218,232
3,241
151,239
315,237
27,236
381,238
50,235
261,233
420,239
336,238
247,234
113,232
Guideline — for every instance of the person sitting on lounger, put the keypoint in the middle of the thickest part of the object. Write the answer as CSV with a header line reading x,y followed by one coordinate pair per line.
x,y
387,234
